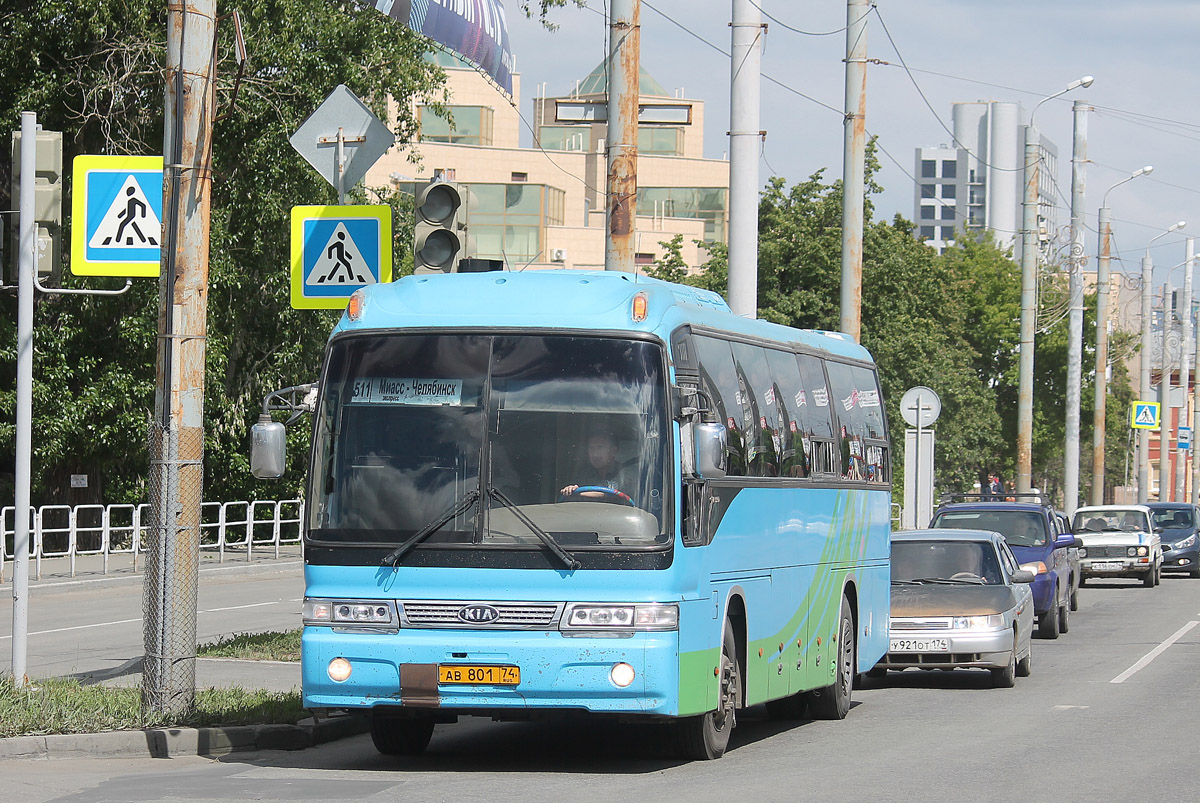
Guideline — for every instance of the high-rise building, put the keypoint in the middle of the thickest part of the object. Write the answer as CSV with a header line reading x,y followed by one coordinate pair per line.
x,y
977,182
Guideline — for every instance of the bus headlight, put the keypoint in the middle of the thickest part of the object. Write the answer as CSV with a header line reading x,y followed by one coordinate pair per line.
x,y
608,616
347,612
338,670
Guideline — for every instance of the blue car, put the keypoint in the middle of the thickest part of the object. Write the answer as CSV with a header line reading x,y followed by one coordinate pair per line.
x,y
1033,532
1175,522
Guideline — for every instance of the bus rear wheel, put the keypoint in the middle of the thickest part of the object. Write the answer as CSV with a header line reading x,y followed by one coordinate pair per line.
x,y
705,737
833,701
397,736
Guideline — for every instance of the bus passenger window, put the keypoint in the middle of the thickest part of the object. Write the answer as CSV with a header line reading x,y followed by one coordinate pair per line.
x,y
719,379
813,411
759,416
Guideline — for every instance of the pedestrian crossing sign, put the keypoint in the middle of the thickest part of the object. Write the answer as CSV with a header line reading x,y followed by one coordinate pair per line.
x,y
1144,415
116,215
336,250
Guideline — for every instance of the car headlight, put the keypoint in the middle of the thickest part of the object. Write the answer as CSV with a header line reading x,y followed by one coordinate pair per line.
x,y
1135,551
1082,552
348,612
1187,543
632,616
991,621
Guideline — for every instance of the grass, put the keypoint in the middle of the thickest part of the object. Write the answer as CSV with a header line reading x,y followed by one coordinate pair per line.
x,y
61,705
271,646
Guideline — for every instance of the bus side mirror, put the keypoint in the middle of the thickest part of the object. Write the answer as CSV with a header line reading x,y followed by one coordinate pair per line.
x,y
712,450
268,448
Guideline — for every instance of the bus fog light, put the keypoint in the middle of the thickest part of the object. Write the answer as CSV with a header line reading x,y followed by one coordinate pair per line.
x,y
339,670
622,674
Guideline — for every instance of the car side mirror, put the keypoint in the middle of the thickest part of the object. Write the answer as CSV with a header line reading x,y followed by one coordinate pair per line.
x,y
268,448
712,450
1078,543
1066,540
1159,529
1022,576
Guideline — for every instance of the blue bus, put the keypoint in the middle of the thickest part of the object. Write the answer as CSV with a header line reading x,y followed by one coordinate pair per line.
x,y
566,491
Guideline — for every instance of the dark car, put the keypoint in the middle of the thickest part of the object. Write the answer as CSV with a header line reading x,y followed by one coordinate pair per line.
x,y
958,601
1034,532
1176,525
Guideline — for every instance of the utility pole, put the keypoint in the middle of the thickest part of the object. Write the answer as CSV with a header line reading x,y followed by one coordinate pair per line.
x,y
1195,495
624,51
1164,402
1029,241
744,138
177,431
1143,455
1184,368
854,166
1075,322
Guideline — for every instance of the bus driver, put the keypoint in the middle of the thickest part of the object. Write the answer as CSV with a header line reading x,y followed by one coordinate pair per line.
x,y
602,469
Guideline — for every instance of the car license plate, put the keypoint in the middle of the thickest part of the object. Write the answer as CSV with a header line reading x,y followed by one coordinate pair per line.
x,y
479,674
918,645
1106,566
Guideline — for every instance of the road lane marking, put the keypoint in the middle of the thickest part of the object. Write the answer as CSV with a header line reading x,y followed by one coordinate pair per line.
x,y
77,627
1154,653
240,607
1069,707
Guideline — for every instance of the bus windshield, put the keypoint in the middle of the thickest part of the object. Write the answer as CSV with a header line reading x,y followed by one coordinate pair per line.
x,y
563,434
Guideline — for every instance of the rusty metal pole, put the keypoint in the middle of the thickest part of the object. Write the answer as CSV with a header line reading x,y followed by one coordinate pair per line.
x,y
624,48
177,432
854,166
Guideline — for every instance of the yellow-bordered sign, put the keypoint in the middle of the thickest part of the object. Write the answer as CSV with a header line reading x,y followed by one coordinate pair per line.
x,y
116,215
1144,415
336,250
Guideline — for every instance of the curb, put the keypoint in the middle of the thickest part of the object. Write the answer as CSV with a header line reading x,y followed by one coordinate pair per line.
x,y
174,742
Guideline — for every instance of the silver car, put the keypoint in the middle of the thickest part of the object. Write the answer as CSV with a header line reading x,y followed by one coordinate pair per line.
x,y
959,600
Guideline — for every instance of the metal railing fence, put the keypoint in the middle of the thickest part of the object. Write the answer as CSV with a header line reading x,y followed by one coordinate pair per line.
x,y
228,529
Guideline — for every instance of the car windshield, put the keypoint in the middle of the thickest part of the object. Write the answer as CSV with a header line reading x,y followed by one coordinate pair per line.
x,y
1112,521
566,433
1019,527
1173,518
931,561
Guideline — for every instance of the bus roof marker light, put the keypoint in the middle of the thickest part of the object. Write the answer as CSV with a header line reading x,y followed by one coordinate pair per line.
x,y
640,305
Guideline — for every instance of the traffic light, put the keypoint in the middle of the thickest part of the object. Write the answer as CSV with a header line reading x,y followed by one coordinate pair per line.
x,y
47,205
441,239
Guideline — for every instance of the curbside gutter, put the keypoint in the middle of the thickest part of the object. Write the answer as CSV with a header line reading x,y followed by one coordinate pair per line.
x,y
172,742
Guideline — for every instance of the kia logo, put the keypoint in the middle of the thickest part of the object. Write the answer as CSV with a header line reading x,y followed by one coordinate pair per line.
x,y
478,614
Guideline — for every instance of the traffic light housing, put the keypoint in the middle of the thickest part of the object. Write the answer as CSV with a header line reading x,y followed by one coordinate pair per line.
x,y
47,204
441,238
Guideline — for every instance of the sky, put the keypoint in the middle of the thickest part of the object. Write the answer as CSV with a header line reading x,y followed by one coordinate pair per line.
x,y
1140,54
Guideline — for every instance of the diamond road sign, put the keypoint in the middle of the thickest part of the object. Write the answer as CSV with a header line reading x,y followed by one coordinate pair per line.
x,y
336,250
364,138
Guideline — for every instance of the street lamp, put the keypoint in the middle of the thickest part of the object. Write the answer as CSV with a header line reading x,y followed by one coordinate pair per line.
x,y
1102,292
1144,372
1029,293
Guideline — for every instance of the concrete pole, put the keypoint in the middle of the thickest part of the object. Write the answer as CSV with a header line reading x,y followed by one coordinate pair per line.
x,y
177,432
1029,247
1075,321
1195,495
1184,368
1164,402
1143,462
624,50
744,138
26,261
854,166
1099,403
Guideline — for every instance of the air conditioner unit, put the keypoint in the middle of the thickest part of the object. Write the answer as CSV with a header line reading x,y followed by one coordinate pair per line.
x,y
558,255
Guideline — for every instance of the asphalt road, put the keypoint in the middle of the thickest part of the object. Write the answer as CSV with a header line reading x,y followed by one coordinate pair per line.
x,y
1108,714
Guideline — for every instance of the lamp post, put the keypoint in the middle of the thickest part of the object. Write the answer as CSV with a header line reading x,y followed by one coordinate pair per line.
x,y
1144,372
1099,410
1029,293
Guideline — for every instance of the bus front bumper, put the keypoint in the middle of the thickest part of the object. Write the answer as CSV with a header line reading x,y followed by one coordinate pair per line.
x,y
556,672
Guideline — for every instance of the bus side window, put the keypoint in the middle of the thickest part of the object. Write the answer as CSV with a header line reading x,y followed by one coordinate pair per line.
x,y
720,379
788,394
869,413
759,417
813,411
852,423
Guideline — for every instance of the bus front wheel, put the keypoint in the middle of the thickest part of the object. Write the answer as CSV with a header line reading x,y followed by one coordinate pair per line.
x,y
705,737
833,701
396,736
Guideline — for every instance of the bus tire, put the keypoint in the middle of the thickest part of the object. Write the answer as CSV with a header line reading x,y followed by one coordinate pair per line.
x,y
397,736
833,701
705,737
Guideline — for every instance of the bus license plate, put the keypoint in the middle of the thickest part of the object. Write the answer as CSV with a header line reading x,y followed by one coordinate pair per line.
x,y
479,674
918,645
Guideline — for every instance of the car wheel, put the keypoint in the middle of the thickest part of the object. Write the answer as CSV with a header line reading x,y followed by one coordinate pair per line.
x,y
396,736
833,701
1064,617
1006,678
1148,580
1075,596
1048,622
706,736
1025,665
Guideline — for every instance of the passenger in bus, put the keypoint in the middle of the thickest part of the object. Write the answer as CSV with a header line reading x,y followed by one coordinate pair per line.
x,y
601,468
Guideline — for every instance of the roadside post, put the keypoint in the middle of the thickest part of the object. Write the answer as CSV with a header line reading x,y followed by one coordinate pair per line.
x,y
920,407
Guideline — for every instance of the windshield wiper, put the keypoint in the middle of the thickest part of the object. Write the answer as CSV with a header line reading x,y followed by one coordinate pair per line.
x,y
468,501
566,557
